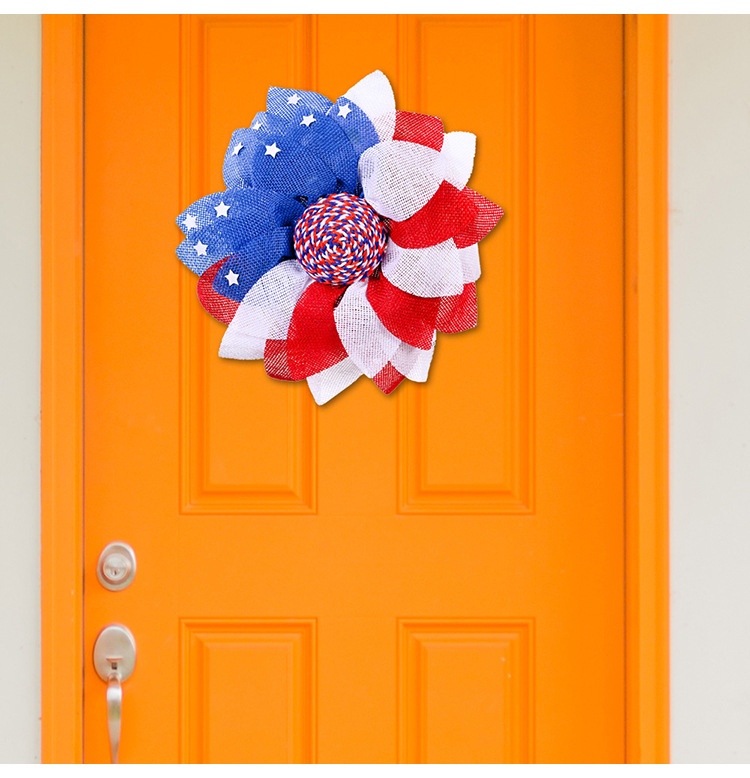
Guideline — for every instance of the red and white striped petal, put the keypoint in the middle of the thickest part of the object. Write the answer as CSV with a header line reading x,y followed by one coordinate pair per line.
x,y
399,178
312,343
330,382
458,313
409,318
458,151
450,212
486,215
414,363
241,346
388,378
419,128
367,342
406,362
267,309
434,271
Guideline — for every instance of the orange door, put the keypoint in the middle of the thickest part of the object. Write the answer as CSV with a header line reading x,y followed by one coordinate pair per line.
x,y
434,576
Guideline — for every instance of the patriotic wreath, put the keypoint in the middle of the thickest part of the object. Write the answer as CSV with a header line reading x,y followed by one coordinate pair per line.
x,y
345,240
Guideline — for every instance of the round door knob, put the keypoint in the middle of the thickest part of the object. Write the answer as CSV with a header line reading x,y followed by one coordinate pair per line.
x,y
116,567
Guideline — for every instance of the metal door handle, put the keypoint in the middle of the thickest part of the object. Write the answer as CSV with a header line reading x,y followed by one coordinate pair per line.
x,y
114,660
114,714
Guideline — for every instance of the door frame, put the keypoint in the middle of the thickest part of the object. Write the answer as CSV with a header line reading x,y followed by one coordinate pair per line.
x,y
646,423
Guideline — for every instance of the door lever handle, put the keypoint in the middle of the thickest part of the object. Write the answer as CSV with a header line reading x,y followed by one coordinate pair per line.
x,y
114,660
114,714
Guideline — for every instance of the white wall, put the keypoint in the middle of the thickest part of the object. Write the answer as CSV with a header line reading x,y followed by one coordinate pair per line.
x,y
20,95
710,387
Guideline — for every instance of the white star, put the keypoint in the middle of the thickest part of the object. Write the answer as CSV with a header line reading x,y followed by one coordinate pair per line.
x,y
237,149
190,222
272,150
221,209
232,278
344,110
200,249
307,120
294,99
256,126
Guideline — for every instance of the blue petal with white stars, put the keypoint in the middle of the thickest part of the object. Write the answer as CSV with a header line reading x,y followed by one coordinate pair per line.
x,y
312,130
259,255
355,123
271,159
289,103
324,138
247,212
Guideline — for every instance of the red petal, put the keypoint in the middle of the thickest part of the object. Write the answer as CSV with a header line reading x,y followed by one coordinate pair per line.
x,y
458,313
419,128
312,343
409,318
276,360
448,213
388,379
220,307
487,215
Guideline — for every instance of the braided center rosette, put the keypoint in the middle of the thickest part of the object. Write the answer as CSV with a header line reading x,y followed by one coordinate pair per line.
x,y
345,240
339,240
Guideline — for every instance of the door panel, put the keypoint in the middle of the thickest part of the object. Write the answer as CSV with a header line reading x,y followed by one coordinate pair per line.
x,y
432,576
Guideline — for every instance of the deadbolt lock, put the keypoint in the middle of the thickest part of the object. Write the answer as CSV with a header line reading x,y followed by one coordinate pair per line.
x,y
116,567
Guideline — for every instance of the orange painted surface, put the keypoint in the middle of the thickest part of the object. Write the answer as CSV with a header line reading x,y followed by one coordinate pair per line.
x,y
434,576
62,387
647,389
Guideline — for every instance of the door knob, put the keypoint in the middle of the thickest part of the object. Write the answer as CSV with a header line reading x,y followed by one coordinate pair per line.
x,y
114,660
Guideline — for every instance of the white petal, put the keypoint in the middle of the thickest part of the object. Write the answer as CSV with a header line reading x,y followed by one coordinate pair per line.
x,y
413,362
435,271
329,382
385,125
267,309
398,177
469,256
470,263
374,95
366,340
237,345
458,151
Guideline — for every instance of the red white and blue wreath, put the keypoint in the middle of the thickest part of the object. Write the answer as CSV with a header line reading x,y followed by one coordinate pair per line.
x,y
345,240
